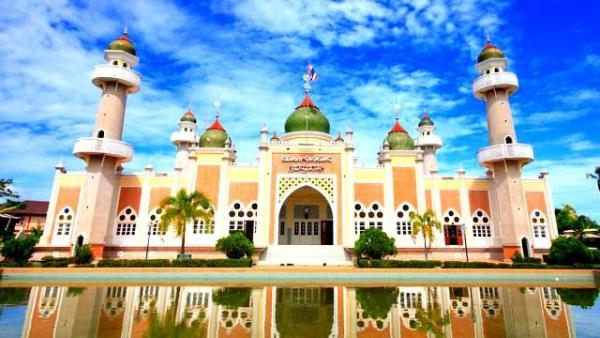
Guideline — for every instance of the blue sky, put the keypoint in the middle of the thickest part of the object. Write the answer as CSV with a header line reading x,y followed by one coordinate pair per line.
x,y
251,54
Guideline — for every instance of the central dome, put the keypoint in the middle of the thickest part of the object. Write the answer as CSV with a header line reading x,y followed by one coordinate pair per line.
x,y
398,138
307,117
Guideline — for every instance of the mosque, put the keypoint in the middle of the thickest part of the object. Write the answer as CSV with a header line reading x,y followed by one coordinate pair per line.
x,y
305,201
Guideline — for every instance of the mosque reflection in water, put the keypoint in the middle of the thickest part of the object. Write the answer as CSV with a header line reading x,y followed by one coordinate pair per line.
x,y
202,311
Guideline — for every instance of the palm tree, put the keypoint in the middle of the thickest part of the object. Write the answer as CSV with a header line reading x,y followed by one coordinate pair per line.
x,y
182,208
425,224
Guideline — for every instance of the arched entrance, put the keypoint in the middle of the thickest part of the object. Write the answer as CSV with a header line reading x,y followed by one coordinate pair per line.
x,y
305,218
525,247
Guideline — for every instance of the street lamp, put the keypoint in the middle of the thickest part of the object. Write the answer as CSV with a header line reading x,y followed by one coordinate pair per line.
x,y
148,242
464,227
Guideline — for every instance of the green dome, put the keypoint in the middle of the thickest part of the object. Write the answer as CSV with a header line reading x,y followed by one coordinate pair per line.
x,y
425,121
215,136
398,139
307,117
489,51
188,117
123,43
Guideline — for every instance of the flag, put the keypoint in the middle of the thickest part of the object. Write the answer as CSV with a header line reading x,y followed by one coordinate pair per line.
x,y
311,73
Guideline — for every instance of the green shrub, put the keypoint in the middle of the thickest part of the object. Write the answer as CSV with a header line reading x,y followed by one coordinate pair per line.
x,y
374,243
568,251
232,298
236,245
192,263
229,263
134,263
376,302
55,262
397,264
83,254
528,266
472,265
584,298
20,249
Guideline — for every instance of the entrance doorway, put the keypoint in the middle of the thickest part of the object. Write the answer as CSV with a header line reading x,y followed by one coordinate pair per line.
x,y
305,219
525,247
453,234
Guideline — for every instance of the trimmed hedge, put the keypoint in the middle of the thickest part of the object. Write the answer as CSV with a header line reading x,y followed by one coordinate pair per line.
x,y
474,265
192,263
56,262
376,263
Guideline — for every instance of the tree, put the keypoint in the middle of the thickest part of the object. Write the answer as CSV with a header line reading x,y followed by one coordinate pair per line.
x,y
567,219
6,194
182,208
19,249
433,319
236,245
425,224
376,302
568,251
232,298
374,243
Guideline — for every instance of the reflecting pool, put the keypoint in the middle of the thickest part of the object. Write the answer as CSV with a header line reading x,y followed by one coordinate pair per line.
x,y
270,311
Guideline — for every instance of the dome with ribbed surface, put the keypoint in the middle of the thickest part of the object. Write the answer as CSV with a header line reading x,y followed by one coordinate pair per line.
x,y
307,117
398,139
188,117
215,136
489,51
425,121
123,43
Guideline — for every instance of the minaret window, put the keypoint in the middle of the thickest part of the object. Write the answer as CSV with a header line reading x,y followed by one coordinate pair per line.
x,y
115,63
154,223
481,224
125,64
508,140
64,222
126,222
367,218
538,220
403,223
101,134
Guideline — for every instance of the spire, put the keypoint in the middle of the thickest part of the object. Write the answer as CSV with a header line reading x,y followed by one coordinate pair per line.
x,y
310,76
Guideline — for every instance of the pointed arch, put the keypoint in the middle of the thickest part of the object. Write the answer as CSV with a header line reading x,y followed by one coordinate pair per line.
x,y
539,223
452,222
482,227
126,222
402,219
365,218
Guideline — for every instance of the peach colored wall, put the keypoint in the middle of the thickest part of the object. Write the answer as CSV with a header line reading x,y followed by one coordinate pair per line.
x,y
67,197
234,332
535,200
461,327
479,199
450,199
408,333
157,195
129,196
405,186
244,192
110,326
559,327
372,332
493,327
42,327
207,182
367,193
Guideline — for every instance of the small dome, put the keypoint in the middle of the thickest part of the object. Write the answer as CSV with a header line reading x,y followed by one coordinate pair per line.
x,y
188,117
398,139
215,136
307,117
123,43
425,121
489,51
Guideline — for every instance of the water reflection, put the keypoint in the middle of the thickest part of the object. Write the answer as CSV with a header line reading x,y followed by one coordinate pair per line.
x,y
202,311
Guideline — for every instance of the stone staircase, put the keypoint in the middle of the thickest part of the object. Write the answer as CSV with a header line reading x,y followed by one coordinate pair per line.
x,y
305,255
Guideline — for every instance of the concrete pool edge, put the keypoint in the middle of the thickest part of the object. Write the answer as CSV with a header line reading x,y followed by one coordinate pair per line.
x,y
298,275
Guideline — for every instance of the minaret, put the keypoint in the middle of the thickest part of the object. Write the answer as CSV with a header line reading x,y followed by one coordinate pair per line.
x,y
184,139
505,157
429,143
104,151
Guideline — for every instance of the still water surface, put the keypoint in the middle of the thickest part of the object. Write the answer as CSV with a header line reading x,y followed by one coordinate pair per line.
x,y
339,311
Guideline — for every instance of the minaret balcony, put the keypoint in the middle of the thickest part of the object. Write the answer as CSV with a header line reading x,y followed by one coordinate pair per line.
x,y
178,136
87,146
502,152
487,82
111,73
429,140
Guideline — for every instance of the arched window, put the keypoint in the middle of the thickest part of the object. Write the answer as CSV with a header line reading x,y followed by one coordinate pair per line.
x,y
452,228
154,223
539,223
481,224
101,134
49,301
403,224
115,63
508,140
64,222
114,301
125,64
490,301
367,218
242,218
126,222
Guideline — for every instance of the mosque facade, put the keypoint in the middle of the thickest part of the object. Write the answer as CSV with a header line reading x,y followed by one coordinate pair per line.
x,y
304,201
